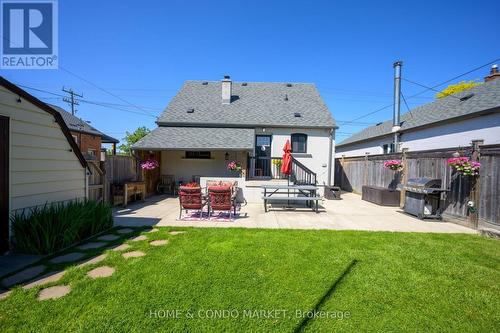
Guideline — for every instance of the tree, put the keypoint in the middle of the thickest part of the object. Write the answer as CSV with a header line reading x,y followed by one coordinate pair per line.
x,y
131,138
456,88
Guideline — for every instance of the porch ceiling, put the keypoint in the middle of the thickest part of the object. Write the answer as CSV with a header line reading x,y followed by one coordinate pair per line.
x,y
197,138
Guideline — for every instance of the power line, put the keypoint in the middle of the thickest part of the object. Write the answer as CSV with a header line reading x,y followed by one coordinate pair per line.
x,y
103,104
88,82
429,88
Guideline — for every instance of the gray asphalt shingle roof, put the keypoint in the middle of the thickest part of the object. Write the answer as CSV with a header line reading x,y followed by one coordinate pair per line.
x,y
254,104
79,125
485,97
198,138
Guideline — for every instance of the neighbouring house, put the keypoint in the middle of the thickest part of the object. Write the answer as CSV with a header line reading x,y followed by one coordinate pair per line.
x,y
88,138
448,122
39,160
210,123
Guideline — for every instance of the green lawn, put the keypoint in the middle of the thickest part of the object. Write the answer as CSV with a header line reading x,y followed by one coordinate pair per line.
x,y
376,281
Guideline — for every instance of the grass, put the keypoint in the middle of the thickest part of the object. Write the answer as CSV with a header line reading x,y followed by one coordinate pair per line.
x,y
376,281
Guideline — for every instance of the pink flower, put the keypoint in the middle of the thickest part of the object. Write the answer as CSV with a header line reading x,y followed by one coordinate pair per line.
x,y
150,164
395,165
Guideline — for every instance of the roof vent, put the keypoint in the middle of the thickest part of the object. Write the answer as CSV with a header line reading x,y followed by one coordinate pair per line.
x,y
244,84
286,97
378,124
205,83
466,97
288,84
297,115
190,111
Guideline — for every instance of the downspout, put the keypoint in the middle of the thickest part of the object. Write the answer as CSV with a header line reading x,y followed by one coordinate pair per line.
x,y
330,153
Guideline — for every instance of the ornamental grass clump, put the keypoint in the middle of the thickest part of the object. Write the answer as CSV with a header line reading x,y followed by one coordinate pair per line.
x,y
464,166
395,165
48,229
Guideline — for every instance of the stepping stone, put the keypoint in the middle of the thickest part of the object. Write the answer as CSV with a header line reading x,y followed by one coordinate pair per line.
x,y
108,237
91,245
139,238
153,230
159,242
70,257
53,292
100,272
121,247
94,260
47,278
133,254
4,294
27,274
124,231
175,232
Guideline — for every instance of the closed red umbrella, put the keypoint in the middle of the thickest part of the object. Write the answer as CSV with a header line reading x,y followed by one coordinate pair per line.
x,y
286,165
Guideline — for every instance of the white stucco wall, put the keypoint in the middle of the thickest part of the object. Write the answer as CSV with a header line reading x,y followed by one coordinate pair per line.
x,y
316,158
455,134
42,166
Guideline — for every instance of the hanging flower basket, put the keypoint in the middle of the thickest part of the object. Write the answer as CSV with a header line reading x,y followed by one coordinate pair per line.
x,y
150,164
464,166
234,166
395,165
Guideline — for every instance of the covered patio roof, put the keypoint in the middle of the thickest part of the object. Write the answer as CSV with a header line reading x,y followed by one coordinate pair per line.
x,y
197,138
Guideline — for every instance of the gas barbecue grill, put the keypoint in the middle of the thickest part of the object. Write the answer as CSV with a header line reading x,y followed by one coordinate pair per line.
x,y
423,197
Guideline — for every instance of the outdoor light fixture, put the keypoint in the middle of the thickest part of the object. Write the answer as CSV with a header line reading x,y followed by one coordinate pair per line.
x,y
226,156
19,99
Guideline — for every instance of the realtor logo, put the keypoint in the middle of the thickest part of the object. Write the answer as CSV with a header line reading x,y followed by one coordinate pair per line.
x,y
29,34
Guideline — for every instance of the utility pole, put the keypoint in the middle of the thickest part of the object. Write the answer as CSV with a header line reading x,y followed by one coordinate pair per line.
x,y
396,123
71,99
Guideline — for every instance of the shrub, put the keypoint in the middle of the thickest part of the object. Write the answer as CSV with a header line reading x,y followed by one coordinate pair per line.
x,y
54,227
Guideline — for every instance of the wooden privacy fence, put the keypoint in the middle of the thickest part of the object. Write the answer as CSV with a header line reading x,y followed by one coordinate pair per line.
x,y
351,173
120,169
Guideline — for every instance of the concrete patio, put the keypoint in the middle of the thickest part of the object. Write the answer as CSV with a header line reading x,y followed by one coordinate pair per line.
x,y
350,213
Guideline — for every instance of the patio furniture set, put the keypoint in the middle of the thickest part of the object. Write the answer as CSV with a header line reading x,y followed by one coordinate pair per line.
x,y
217,196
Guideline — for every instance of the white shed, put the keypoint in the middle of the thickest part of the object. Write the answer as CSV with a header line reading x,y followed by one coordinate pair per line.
x,y
39,160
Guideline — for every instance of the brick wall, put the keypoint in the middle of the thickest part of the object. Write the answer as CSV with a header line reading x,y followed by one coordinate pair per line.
x,y
88,141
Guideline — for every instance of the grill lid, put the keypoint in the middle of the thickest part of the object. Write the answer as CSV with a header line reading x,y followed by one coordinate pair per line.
x,y
424,182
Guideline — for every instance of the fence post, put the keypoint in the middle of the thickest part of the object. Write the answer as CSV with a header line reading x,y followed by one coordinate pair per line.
x,y
404,178
365,171
475,194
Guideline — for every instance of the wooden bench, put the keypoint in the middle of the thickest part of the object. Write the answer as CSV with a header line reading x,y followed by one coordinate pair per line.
x,y
296,199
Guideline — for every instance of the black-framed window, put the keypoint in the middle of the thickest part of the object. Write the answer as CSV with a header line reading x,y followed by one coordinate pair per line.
x,y
388,148
205,155
299,143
